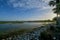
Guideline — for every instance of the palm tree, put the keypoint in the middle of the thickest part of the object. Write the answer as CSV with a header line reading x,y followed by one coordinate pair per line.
x,y
56,10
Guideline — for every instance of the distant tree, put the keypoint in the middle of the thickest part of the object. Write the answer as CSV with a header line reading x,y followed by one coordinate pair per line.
x,y
56,10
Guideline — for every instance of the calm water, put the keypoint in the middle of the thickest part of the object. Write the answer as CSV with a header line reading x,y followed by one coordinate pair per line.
x,y
5,27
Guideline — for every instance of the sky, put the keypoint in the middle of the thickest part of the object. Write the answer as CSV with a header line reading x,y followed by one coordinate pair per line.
x,y
16,10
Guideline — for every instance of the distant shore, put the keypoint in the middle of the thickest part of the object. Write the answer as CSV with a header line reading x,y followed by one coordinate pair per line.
x,y
14,22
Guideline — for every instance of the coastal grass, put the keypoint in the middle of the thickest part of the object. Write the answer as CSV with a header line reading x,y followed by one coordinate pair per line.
x,y
4,35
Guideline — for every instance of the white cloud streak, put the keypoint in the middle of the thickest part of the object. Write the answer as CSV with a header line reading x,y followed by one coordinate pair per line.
x,y
49,15
28,3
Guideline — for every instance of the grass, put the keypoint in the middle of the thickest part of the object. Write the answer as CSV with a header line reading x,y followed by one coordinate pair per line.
x,y
50,33
4,35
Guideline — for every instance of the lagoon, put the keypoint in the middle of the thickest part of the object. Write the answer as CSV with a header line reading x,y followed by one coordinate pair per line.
x,y
6,27
26,25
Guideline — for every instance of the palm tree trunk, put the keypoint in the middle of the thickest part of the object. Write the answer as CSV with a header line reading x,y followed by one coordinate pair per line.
x,y
57,6
57,20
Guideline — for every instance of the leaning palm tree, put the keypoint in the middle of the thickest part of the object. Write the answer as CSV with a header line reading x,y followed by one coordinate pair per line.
x,y
56,10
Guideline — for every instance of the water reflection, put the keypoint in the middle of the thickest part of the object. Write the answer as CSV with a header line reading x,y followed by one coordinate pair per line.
x,y
5,27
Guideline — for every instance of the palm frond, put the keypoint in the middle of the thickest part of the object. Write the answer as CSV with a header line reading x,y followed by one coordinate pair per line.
x,y
57,11
52,3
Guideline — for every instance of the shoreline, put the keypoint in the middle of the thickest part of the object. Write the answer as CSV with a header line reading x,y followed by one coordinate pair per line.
x,y
7,34
20,32
23,31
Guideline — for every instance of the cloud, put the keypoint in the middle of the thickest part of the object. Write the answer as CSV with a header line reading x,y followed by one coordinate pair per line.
x,y
48,15
24,3
28,4
46,1
33,5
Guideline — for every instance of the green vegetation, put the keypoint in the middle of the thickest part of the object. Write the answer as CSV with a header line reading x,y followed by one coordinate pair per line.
x,y
46,35
4,35
4,22
53,31
13,22
50,33
57,8
40,21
